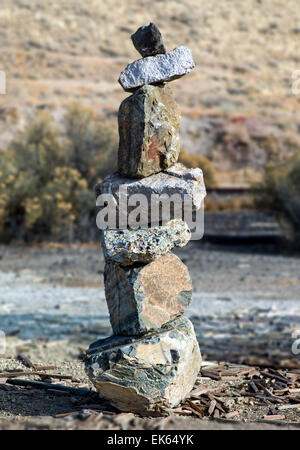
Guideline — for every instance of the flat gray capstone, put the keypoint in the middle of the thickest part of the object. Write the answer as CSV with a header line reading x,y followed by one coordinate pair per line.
x,y
157,69
140,375
184,183
126,247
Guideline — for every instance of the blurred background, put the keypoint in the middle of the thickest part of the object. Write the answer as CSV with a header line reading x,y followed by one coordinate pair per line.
x,y
58,120
58,137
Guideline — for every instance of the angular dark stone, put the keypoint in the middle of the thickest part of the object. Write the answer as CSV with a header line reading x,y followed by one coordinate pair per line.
x,y
149,122
157,69
148,40
139,375
143,298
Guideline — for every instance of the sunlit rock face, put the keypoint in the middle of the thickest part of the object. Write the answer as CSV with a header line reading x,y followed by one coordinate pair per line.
x,y
140,375
149,122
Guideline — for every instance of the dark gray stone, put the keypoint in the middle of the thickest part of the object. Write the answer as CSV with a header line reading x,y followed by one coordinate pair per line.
x,y
148,40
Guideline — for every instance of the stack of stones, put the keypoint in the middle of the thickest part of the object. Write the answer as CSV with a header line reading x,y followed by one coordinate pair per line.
x,y
153,357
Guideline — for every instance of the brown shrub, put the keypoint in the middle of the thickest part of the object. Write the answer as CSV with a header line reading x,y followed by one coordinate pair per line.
x,y
280,192
230,204
193,160
47,181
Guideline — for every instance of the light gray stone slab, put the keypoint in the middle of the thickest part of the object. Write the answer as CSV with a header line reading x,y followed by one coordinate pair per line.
x,y
185,186
157,69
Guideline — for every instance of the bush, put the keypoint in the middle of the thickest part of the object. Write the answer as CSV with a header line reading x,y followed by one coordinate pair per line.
x,y
90,146
47,181
25,169
47,178
280,192
193,160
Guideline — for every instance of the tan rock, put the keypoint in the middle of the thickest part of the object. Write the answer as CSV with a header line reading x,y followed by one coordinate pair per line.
x,y
141,298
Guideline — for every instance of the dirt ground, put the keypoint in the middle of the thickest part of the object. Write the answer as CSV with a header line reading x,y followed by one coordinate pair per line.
x,y
52,306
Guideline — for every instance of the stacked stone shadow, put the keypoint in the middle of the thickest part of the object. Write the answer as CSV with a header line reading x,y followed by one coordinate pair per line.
x,y
153,357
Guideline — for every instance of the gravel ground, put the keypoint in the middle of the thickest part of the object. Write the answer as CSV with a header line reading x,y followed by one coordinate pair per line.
x,y
52,305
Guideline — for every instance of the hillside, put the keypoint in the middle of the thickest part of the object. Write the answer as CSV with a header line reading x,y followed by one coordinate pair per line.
x,y
237,105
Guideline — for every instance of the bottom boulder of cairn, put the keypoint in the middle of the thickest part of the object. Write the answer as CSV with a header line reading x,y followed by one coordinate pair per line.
x,y
143,374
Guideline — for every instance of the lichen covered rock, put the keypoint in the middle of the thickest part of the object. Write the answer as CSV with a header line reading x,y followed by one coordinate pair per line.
x,y
140,375
126,247
143,298
149,122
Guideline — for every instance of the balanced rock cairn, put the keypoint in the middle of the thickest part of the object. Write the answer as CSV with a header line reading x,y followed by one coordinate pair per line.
x,y
153,357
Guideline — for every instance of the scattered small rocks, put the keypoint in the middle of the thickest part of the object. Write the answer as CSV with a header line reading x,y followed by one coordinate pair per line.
x,y
231,398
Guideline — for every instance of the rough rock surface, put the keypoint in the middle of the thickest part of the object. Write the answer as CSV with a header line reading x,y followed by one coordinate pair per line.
x,y
139,375
149,122
157,69
148,40
184,183
143,298
126,247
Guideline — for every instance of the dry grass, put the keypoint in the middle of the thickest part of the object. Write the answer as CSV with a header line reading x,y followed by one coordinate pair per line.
x,y
58,51
244,46
232,204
